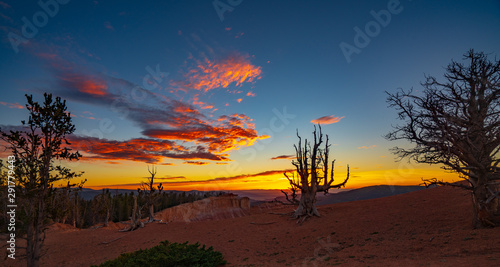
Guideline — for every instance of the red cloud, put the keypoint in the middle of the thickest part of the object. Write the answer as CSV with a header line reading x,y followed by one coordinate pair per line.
x,y
327,119
227,133
196,162
161,116
12,105
85,84
284,157
209,75
139,149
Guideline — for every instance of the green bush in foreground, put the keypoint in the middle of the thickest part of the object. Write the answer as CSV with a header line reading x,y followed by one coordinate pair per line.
x,y
169,254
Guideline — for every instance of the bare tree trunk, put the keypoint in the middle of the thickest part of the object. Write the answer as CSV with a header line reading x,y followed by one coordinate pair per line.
x,y
30,239
307,202
151,213
76,211
485,199
135,219
34,233
106,220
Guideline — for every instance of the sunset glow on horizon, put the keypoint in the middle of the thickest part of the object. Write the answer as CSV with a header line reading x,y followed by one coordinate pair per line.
x,y
216,100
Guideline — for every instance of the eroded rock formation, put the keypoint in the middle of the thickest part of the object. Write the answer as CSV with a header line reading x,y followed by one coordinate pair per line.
x,y
212,208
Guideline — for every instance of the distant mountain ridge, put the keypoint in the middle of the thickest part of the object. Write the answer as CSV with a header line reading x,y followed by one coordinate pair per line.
x,y
369,192
259,196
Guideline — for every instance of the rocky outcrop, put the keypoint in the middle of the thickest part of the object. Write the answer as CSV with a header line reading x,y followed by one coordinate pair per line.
x,y
212,208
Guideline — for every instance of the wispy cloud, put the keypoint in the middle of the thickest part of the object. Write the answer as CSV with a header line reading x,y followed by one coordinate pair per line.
x,y
12,105
108,26
327,119
171,178
179,128
4,5
239,178
211,74
283,157
138,149
227,133
85,84
196,162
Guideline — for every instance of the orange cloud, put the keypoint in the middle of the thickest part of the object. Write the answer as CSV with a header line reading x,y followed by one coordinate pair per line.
x,y
327,119
139,149
196,162
12,105
239,100
283,157
194,183
201,104
85,84
209,75
224,134
250,93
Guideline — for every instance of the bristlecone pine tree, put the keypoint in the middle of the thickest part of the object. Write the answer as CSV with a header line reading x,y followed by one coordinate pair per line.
x,y
35,147
456,123
152,192
312,174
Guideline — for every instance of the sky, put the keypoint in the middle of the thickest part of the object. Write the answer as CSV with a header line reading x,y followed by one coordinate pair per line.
x,y
213,93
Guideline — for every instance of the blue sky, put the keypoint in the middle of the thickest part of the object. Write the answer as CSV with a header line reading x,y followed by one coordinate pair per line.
x,y
291,50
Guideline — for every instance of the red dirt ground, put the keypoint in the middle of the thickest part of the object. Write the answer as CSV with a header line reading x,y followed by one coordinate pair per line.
x,y
424,228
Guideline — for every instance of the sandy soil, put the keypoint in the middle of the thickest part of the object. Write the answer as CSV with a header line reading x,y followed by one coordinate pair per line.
x,y
425,228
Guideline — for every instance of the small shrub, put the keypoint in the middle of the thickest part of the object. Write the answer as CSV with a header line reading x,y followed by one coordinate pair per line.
x,y
169,254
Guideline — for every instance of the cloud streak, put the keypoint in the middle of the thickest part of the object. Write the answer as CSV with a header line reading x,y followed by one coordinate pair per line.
x,y
327,119
211,74
283,157
180,129
12,105
138,149
237,178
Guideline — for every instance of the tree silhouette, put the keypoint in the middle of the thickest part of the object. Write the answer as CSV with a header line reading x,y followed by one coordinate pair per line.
x,y
42,140
312,174
456,123
152,192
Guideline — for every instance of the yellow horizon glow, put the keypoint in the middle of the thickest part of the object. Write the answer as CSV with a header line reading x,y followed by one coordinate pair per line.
x,y
276,181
